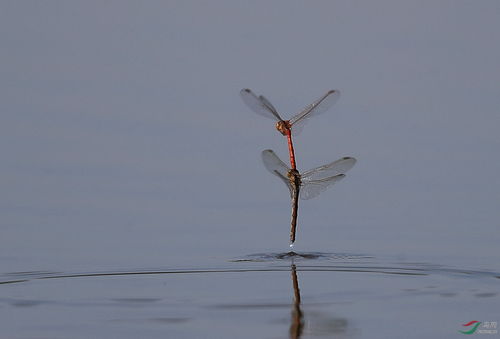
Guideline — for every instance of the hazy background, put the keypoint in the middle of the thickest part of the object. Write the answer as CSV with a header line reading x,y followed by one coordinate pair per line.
x,y
124,143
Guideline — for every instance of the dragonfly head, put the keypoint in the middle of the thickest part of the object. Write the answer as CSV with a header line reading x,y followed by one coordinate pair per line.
x,y
283,127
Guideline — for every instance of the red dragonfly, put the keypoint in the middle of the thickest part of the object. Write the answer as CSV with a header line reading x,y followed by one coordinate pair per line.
x,y
262,106
308,184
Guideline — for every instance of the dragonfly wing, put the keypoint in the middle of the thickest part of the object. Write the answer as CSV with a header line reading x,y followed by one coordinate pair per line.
x,y
317,107
287,183
259,105
339,166
298,127
269,106
312,188
277,167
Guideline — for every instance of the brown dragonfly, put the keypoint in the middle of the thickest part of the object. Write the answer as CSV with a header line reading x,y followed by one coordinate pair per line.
x,y
262,106
308,184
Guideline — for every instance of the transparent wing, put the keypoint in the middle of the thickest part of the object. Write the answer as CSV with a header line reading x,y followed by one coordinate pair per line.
x,y
312,188
259,105
339,166
269,106
277,167
298,127
319,106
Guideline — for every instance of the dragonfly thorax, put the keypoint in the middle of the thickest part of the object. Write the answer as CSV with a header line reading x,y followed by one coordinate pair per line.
x,y
294,177
283,127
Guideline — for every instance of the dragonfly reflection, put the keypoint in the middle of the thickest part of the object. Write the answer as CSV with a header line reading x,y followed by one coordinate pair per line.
x,y
297,325
308,184
313,323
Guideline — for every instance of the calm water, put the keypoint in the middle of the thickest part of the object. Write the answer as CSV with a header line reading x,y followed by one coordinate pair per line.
x,y
134,203
274,295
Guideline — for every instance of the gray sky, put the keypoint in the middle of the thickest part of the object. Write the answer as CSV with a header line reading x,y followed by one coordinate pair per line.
x,y
122,131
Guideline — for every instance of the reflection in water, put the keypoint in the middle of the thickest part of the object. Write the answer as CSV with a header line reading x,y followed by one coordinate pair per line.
x,y
319,323
177,298
297,316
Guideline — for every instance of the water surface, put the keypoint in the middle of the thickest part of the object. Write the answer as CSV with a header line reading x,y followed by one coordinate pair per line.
x,y
274,295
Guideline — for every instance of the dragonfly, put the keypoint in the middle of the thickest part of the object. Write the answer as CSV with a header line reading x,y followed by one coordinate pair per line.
x,y
262,106
308,184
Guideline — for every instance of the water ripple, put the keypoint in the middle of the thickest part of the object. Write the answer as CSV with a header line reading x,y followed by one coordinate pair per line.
x,y
273,262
